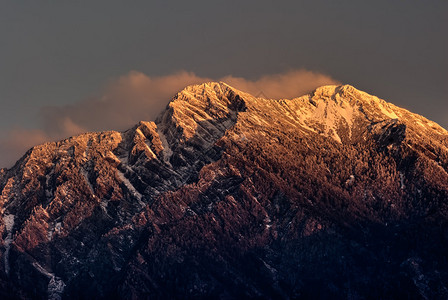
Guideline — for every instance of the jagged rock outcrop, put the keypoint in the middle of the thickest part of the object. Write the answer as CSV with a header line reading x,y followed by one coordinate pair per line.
x,y
332,194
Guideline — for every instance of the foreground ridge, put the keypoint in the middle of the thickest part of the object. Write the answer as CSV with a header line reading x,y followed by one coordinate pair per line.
x,y
332,194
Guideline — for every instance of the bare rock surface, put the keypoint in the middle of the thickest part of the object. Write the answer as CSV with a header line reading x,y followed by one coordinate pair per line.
x,y
335,194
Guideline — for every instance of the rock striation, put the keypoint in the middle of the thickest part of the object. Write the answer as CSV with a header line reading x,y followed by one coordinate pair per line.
x,y
334,194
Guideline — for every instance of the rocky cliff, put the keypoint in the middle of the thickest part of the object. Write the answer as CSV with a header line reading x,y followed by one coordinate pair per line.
x,y
335,194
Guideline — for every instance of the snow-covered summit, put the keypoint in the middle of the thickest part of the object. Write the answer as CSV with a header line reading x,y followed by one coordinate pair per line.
x,y
223,178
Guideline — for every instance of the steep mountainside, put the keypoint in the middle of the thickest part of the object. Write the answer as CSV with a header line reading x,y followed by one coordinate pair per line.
x,y
333,194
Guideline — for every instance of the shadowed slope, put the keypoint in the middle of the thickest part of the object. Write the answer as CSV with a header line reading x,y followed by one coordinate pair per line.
x,y
333,194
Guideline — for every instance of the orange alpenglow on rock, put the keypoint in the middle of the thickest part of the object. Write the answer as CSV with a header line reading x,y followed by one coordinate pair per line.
x,y
332,194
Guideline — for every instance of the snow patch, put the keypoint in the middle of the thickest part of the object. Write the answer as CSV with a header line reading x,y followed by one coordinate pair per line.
x,y
50,232
167,152
86,178
55,286
104,203
58,227
8,220
112,156
48,192
388,112
330,115
87,149
147,143
129,186
140,132
268,222
402,186
54,227
350,180
148,146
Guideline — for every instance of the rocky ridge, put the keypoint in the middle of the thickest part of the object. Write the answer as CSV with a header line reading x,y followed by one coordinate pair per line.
x,y
332,194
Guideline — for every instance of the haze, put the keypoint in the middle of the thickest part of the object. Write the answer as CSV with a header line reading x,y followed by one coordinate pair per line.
x,y
68,67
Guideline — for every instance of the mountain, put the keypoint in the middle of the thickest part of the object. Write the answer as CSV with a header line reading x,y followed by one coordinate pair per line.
x,y
335,194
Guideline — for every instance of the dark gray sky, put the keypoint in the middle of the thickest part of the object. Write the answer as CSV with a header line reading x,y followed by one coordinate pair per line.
x,y
59,53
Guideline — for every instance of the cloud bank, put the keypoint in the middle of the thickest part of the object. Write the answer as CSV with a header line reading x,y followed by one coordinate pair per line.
x,y
120,104
287,85
124,101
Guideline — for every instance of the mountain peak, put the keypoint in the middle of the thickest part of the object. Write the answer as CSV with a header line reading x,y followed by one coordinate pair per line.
x,y
344,93
203,104
225,183
208,89
332,110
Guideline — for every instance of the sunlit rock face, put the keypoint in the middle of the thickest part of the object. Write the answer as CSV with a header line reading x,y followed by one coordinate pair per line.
x,y
335,194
